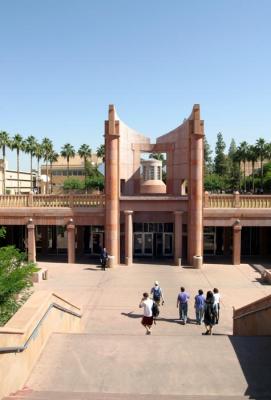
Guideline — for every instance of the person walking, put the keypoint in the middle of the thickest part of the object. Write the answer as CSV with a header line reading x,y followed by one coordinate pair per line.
x,y
209,313
147,319
157,294
199,306
103,258
217,304
182,304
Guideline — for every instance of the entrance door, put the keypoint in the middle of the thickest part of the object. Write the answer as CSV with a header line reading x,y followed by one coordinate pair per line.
x,y
148,244
97,242
159,244
168,244
138,244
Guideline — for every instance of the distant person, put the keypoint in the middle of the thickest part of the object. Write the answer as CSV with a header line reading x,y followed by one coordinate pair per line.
x,y
103,258
217,304
147,319
157,294
209,313
199,306
182,304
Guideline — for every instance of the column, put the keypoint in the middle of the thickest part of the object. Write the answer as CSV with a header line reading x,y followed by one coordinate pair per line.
x,y
71,241
80,239
31,241
112,213
178,237
128,237
236,252
195,190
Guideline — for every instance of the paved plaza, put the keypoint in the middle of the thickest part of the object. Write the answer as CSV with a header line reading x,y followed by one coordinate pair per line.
x,y
114,357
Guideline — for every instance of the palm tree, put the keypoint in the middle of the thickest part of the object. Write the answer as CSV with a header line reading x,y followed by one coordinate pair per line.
x,y
262,153
101,152
237,158
47,148
253,157
68,152
4,142
30,147
18,144
85,153
38,153
243,150
53,157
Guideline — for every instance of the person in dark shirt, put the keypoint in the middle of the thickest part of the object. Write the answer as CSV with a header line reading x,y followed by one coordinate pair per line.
x,y
182,304
199,306
103,258
209,313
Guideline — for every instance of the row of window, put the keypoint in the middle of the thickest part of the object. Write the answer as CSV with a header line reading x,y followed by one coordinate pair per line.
x,y
72,172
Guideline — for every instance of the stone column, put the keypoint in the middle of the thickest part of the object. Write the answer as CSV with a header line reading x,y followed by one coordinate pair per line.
x,y
128,237
71,241
236,251
178,237
112,213
195,190
31,241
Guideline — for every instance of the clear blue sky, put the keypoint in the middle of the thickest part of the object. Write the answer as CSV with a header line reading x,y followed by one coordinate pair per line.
x,y
62,62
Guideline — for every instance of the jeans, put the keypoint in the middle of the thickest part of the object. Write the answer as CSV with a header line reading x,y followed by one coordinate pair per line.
x,y
199,315
183,308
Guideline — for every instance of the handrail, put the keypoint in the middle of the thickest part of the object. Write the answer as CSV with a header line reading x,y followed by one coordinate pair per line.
x,y
20,349
252,312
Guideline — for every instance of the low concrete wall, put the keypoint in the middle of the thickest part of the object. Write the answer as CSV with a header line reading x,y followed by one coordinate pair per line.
x,y
254,319
15,368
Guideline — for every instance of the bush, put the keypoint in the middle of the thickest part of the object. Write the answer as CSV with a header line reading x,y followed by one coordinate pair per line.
x,y
15,281
73,184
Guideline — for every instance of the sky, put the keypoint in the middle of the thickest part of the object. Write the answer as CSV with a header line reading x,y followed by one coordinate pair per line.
x,y
62,62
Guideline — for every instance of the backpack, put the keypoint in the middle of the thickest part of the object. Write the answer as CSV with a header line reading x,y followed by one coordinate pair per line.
x,y
155,310
156,294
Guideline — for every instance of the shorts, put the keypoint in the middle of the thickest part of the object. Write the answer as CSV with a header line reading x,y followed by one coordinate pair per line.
x,y
147,321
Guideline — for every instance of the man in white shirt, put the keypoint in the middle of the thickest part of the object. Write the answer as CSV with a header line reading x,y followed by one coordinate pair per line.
x,y
147,319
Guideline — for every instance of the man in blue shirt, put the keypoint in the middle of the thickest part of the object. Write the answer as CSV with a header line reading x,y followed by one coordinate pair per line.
x,y
182,303
199,306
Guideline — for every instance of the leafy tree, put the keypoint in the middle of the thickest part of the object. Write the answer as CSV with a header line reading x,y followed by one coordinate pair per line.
x,y
47,148
18,144
73,184
243,152
85,153
4,142
208,162
262,152
252,156
233,171
95,182
30,147
220,165
68,152
214,183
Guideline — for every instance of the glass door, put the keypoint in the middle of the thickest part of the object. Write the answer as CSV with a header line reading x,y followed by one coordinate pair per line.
x,y
138,244
168,244
97,242
148,244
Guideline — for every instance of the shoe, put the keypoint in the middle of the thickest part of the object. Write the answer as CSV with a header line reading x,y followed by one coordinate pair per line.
x,y
148,333
206,333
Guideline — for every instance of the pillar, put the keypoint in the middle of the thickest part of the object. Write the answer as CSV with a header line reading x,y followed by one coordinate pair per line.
x,y
80,240
236,251
71,241
112,213
31,241
195,189
128,237
178,237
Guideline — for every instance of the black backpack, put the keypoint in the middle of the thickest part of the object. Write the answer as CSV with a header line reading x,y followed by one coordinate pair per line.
x,y
155,310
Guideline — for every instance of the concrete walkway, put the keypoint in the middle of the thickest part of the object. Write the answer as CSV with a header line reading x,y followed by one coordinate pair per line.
x,y
114,356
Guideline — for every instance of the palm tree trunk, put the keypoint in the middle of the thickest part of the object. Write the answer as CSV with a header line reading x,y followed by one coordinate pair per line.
x,y
261,175
18,171
239,164
85,163
51,175
68,164
245,186
31,175
253,177
38,181
47,178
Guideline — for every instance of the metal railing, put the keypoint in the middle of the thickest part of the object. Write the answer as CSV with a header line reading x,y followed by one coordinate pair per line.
x,y
20,349
51,200
236,200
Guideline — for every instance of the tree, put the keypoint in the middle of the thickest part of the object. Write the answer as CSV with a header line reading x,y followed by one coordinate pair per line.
x,y
18,144
39,155
101,152
220,166
73,184
252,156
47,148
208,162
53,157
243,152
30,147
85,153
4,142
68,152
262,152
233,166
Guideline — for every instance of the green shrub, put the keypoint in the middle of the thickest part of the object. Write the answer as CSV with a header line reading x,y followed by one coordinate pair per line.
x,y
15,281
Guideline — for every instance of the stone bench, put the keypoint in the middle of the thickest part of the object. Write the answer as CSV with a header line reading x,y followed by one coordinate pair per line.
x,y
41,274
